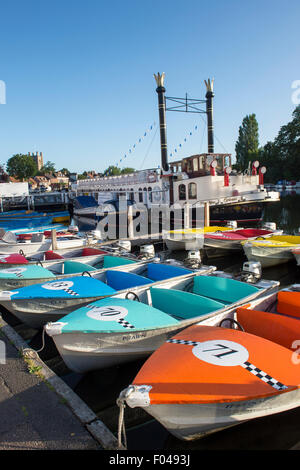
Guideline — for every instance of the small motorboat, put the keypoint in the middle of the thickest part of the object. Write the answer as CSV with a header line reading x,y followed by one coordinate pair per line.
x,y
208,378
9,243
277,249
219,242
40,303
26,275
118,329
87,255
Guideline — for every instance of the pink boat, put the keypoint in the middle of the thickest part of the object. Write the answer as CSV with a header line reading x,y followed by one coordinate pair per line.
x,y
231,240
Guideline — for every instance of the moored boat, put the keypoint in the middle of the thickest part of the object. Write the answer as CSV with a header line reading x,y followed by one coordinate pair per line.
x,y
40,303
231,241
208,378
272,251
117,330
21,276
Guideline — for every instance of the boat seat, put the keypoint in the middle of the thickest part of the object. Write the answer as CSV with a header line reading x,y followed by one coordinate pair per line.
x,y
288,303
87,251
52,255
112,261
222,289
159,272
271,326
182,305
119,280
73,267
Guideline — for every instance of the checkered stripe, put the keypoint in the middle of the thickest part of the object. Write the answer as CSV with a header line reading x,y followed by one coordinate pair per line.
x,y
183,341
19,275
264,376
125,323
70,291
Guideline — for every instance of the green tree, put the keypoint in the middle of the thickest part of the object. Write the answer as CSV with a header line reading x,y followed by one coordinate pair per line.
x,y
112,171
49,167
282,157
127,170
247,145
21,166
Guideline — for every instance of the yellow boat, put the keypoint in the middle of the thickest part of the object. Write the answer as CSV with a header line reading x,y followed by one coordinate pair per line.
x,y
277,249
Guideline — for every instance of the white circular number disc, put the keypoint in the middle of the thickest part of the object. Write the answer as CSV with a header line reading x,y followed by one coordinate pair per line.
x,y
221,352
109,313
59,285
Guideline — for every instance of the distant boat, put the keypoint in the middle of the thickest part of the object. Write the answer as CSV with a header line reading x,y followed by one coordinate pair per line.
x,y
208,378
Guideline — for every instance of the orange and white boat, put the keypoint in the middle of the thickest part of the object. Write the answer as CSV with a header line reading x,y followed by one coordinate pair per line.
x,y
208,378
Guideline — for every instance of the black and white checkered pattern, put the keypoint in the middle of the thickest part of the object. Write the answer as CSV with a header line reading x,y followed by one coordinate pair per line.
x,y
70,291
264,376
125,323
183,341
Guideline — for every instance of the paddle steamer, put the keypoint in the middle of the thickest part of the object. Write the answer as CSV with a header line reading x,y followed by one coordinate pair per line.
x,y
195,181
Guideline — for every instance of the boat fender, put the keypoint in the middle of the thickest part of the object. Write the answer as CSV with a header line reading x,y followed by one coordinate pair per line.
x,y
137,395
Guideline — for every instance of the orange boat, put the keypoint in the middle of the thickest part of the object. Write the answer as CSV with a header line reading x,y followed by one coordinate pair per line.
x,y
208,378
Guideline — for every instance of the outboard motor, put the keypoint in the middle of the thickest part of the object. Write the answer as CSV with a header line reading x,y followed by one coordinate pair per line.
x,y
124,245
193,259
269,226
147,252
251,272
232,223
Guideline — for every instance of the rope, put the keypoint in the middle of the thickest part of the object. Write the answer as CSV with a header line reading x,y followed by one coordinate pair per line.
x,y
32,352
121,424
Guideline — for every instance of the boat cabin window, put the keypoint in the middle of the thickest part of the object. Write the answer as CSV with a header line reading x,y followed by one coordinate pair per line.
x,y
192,191
182,192
150,193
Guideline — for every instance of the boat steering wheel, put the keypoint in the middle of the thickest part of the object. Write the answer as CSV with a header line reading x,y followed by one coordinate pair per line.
x,y
134,295
232,323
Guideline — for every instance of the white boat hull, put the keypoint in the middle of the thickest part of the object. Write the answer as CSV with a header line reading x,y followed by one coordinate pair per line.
x,y
193,421
268,256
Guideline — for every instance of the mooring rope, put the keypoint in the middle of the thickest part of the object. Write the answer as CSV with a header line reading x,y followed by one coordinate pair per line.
x,y
29,352
121,425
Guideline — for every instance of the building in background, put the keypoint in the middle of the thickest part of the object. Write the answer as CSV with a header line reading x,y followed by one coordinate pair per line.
x,y
38,158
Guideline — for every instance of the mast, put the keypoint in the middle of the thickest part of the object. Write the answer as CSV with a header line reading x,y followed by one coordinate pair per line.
x,y
209,111
162,119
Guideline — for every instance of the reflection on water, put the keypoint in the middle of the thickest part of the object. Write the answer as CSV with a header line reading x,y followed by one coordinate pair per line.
x,y
285,213
100,389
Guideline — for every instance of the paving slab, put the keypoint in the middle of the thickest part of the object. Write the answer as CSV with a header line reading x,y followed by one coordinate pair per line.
x,y
38,410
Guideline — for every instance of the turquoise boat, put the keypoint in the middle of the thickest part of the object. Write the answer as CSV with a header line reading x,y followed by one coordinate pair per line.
x,y
40,303
115,330
29,274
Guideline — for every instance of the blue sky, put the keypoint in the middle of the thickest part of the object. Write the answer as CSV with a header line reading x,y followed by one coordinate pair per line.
x,y
80,86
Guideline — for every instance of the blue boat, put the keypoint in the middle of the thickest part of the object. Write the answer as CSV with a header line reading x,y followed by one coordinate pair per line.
x,y
115,330
40,303
26,275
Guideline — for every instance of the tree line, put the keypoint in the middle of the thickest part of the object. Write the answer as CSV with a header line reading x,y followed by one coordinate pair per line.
x,y
22,167
281,157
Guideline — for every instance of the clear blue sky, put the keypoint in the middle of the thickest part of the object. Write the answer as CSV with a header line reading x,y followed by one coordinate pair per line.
x,y
79,75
